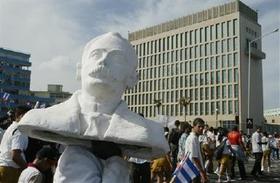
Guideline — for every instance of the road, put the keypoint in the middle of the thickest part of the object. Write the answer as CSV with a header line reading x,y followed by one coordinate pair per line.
x,y
273,176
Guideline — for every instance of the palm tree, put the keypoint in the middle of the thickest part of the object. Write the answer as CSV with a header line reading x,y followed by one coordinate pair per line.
x,y
158,104
184,101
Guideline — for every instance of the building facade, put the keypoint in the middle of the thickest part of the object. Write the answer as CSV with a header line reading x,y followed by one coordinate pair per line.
x,y
54,92
15,80
202,60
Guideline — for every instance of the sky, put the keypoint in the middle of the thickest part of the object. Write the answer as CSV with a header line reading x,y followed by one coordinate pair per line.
x,y
54,32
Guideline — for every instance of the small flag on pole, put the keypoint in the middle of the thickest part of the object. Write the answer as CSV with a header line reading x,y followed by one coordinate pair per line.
x,y
37,105
186,171
6,96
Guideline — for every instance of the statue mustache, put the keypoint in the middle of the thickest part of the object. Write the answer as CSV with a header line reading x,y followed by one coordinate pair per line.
x,y
102,71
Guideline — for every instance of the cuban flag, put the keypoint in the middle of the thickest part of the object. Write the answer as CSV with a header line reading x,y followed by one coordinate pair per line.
x,y
186,171
6,96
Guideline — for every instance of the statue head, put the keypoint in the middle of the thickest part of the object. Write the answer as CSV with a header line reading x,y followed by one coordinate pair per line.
x,y
108,64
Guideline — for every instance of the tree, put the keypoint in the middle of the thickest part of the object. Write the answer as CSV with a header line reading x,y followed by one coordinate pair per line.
x,y
184,101
158,104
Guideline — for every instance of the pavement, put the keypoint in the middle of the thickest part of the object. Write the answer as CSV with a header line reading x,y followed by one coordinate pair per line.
x,y
272,176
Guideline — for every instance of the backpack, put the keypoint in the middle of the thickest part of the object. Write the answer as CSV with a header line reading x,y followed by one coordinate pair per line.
x,y
219,150
174,136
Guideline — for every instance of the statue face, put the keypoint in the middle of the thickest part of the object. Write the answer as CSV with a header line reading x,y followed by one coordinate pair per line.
x,y
105,65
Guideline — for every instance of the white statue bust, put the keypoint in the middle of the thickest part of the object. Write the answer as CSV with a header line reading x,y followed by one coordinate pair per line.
x,y
95,118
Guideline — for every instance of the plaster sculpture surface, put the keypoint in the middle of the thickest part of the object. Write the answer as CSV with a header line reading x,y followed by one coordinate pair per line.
x,y
97,114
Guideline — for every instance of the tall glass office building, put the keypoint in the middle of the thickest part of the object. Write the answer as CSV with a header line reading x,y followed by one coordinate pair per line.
x,y
15,80
201,57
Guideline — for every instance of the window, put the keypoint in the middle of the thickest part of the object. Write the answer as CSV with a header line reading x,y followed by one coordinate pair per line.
x,y
230,75
212,92
230,60
235,59
201,93
212,32
230,111
224,61
163,44
206,64
235,44
218,79
229,45
212,108
229,91
224,76
224,92
218,62
207,108
212,63
224,29
186,38
196,36
212,77
206,34
224,107
201,79
235,91
207,79
218,31
207,93
190,37
234,26
201,108
218,93
235,75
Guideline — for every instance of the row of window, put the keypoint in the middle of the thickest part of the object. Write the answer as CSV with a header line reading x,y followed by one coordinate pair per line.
x,y
195,94
183,68
200,108
192,37
209,49
193,80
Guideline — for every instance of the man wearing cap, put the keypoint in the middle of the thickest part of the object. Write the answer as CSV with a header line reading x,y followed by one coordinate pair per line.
x,y
46,158
95,123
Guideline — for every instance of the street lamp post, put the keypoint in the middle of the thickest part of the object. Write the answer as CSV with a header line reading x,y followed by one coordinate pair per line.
x,y
249,67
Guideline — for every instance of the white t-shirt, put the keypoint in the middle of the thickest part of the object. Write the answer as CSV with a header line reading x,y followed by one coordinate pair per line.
x,y
256,138
30,175
12,139
192,147
265,147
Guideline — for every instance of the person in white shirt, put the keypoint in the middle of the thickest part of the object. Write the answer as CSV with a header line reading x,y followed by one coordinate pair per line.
x,y
13,145
46,158
257,151
266,152
192,149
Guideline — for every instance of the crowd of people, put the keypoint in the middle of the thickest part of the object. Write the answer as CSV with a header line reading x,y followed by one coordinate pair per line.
x,y
23,159
228,147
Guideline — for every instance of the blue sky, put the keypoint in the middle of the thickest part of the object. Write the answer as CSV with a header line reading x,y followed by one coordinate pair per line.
x,y
55,31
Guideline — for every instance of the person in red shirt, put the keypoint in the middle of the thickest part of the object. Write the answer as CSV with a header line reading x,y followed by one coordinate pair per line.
x,y
237,145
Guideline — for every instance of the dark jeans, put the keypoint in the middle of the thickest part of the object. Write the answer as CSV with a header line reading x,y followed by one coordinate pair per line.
x,y
174,153
257,165
141,172
275,153
241,167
